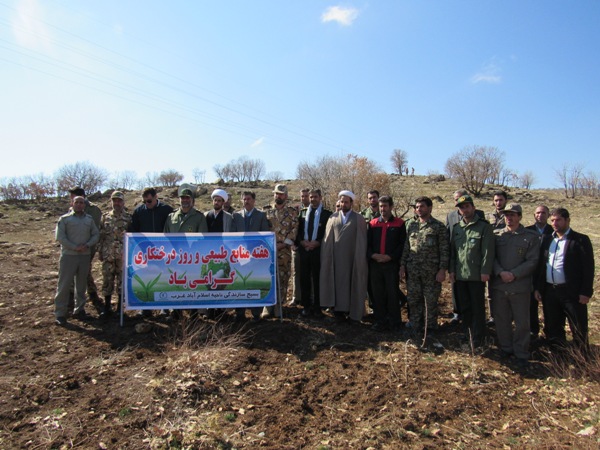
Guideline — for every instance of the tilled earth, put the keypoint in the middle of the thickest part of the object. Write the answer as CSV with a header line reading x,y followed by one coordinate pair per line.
x,y
275,384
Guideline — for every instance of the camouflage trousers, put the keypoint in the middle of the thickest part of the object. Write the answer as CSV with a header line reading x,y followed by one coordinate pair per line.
x,y
284,269
112,276
423,293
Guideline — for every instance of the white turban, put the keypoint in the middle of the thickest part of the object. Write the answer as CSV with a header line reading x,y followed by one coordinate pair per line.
x,y
346,194
220,193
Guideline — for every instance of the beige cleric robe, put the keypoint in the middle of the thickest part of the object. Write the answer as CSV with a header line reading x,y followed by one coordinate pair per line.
x,y
344,265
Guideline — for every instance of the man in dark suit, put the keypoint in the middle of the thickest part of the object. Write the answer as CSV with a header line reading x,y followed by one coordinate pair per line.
x,y
543,228
566,281
311,229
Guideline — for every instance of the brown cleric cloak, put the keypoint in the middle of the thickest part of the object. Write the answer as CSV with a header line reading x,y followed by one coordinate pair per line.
x,y
344,265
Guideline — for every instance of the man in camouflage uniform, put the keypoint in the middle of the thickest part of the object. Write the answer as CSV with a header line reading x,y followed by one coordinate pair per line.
x,y
110,249
283,220
94,211
372,211
425,259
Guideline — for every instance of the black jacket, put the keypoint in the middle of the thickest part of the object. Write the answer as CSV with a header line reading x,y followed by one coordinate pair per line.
x,y
578,264
153,220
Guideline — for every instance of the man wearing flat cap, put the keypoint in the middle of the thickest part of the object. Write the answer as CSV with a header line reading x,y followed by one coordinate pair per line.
x,y
283,221
113,226
517,253
471,262
218,220
344,267
186,219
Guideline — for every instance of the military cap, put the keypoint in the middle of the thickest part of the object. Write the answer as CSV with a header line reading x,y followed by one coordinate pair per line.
x,y
464,199
512,207
118,194
280,189
186,193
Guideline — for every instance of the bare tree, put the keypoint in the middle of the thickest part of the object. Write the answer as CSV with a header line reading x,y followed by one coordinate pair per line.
x,y
123,180
83,174
170,178
332,174
274,175
151,179
241,169
399,160
590,184
474,166
570,178
198,175
527,179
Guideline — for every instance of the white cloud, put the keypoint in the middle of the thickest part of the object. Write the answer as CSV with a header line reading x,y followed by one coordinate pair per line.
x,y
258,142
339,14
489,73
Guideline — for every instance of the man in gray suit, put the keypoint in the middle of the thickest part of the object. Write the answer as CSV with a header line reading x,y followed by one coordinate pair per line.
x,y
253,220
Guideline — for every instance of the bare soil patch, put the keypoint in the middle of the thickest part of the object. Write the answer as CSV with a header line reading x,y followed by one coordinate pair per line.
x,y
296,383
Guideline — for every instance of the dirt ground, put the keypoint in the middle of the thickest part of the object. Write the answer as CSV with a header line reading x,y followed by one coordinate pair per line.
x,y
296,383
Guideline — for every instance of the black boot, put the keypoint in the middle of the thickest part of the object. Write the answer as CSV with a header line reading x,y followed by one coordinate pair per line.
x,y
105,314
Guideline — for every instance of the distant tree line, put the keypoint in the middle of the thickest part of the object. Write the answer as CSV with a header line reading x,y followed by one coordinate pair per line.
x,y
474,167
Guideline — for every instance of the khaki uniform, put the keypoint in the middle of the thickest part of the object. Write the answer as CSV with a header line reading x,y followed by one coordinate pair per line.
x,y
284,223
426,251
110,249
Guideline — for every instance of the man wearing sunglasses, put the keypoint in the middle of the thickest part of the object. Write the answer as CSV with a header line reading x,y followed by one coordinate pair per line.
x,y
150,217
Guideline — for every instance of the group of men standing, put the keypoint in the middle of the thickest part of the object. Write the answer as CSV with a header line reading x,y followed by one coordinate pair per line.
x,y
343,257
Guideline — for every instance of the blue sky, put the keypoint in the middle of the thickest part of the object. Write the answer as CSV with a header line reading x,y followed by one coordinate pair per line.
x,y
154,85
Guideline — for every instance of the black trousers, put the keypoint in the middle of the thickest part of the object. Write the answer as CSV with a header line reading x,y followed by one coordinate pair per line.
x,y
470,296
560,304
310,267
385,284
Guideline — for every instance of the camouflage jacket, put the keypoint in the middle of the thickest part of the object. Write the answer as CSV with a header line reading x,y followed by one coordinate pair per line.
x,y
112,230
284,223
427,245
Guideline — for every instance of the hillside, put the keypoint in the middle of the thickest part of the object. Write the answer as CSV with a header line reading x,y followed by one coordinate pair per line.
x,y
295,383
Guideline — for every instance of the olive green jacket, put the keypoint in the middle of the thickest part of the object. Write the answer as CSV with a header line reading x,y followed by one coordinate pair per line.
x,y
472,251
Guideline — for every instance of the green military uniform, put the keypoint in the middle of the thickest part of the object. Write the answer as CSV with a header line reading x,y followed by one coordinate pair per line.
x,y
110,249
192,222
426,251
284,223
96,213
369,215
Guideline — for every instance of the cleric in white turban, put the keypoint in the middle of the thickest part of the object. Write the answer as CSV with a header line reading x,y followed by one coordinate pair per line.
x,y
220,193
344,261
346,193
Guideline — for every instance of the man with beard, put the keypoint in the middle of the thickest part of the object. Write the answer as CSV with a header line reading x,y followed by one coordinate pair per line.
x,y
517,253
566,282
385,241
344,261
471,263
372,211
112,229
542,228
283,221
452,219
296,262
425,261
313,221
218,220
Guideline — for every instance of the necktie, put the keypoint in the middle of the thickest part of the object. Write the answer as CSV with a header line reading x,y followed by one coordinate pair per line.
x,y
311,225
